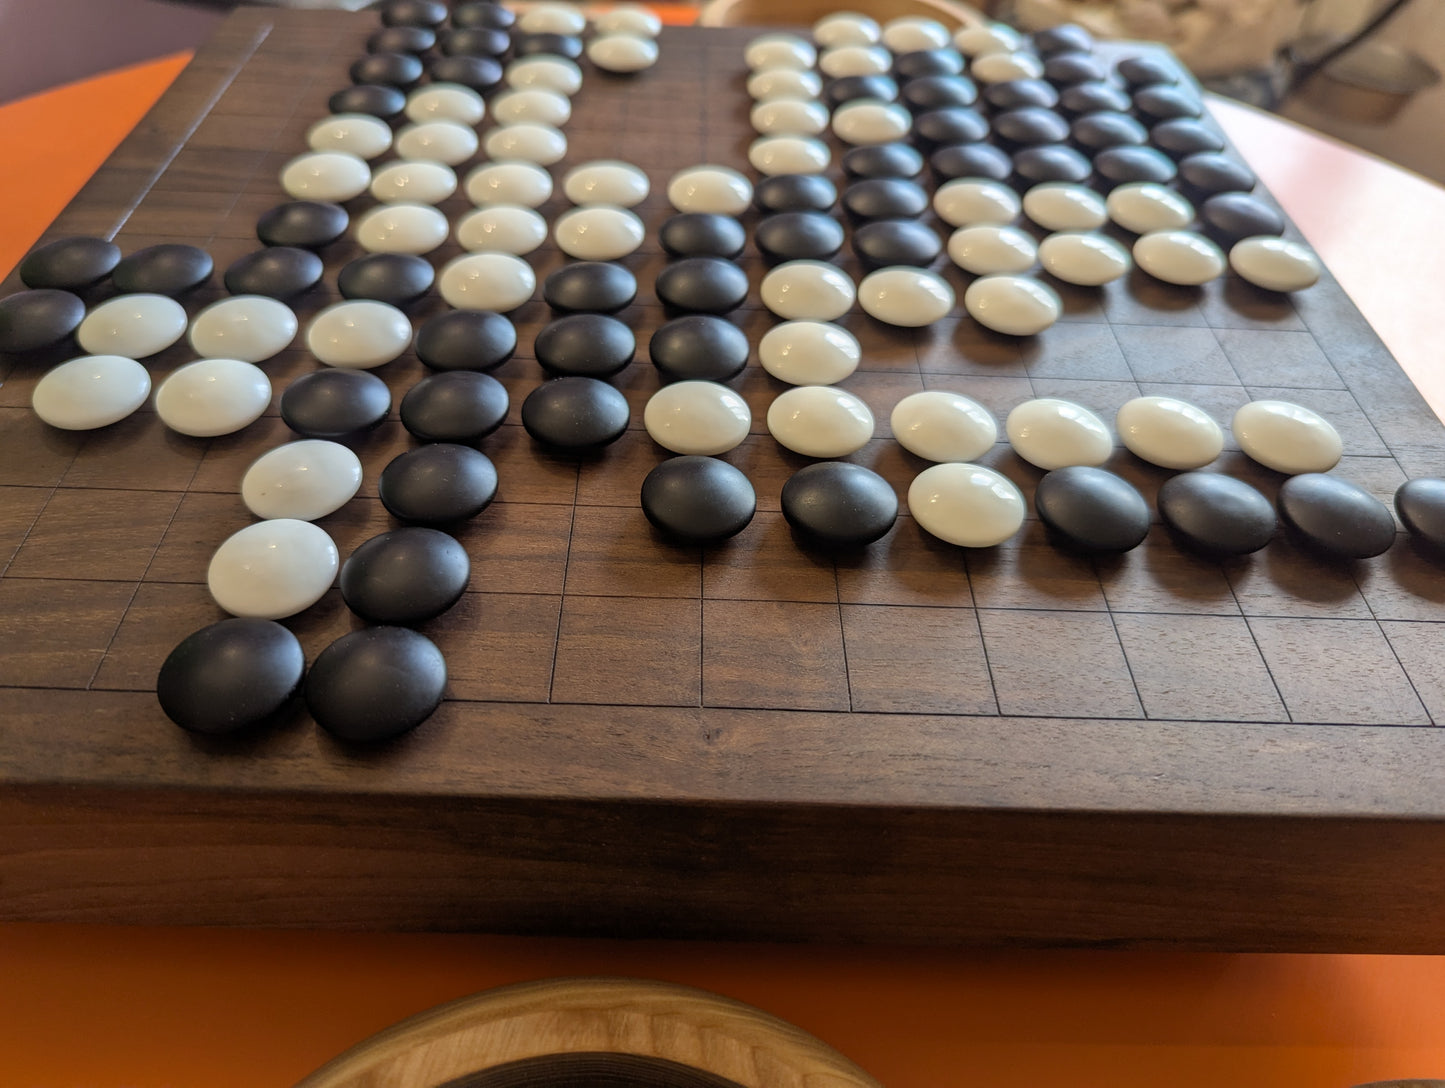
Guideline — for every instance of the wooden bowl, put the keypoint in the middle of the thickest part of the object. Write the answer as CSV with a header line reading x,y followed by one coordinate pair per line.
x,y
950,13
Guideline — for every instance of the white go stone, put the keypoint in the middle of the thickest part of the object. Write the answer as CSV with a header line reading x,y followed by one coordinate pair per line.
x,y
437,141
213,397
820,421
247,327
905,296
779,51
941,426
1275,264
273,569
846,28
402,228
1286,437
717,189
632,19
855,60
523,183
784,83
1083,258
981,39
356,134
789,155
445,102
789,117
487,281
134,326
1168,432
535,105
89,392
552,18
1179,257
965,202
1050,433
1062,205
987,249
809,352
544,70
870,121
967,505
502,228
1013,305
808,291
1001,67
622,53
304,480
909,33
332,176
358,335
529,142
413,181
1144,206
598,232
606,181
695,417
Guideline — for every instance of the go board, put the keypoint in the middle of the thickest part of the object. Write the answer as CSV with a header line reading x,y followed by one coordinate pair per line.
x,y
761,739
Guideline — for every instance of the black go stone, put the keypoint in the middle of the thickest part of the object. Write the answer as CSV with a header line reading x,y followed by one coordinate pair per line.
x,y
231,676
797,236
309,224
1015,94
168,269
1215,514
1105,129
703,234
1165,102
1125,164
478,73
699,347
1421,506
476,41
369,98
454,406
401,70
1051,162
580,414
1336,517
395,278
1209,172
1091,509
839,504
848,88
376,684
707,285
788,193
428,13
928,62
890,160
1068,69
31,320
1030,127
1065,38
885,242
334,403
71,264
588,345
938,92
438,484
1185,136
971,161
885,198
483,13
1092,97
556,45
952,125
599,287
279,272
698,499
1144,70
405,576
1231,217
401,39
466,340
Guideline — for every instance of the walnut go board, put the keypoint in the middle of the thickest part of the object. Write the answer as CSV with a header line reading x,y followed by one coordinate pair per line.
x,y
755,739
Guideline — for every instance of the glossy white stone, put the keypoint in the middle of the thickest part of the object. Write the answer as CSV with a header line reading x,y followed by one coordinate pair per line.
x,y
846,28
334,176
536,105
1168,432
1286,437
357,134
358,335
445,102
905,296
1179,257
247,327
413,181
606,181
1013,305
304,480
540,144
999,67
1143,206
273,569
941,426
1083,258
622,53
789,155
966,504
553,73
598,232
437,141
789,117
779,51
502,228
808,291
1062,205
708,188
213,397
784,83
980,39
1050,433
134,326
552,18
702,418
1275,264
855,60
634,19
870,121
809,352
487,281
523,183
820,421
988,249
402,228
91,391
964,202
910,33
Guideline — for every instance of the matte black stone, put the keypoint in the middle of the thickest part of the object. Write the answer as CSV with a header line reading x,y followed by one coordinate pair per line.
x,y
1051,162
1216,514
401,39
1092,509
1421,506
1165,102
1067,69
891,160
1185,136
698,499
1016,94
848,88
885,242
1030,127
167,269
1336,517
699,347
71,264
885,198
406,576
280,272
1125,164
971,161
1105,129
309,224
1064,38
1210,172
948,126
789,193
928,62
938,92
375,684
334,403
454,406
799,236
428,13
1231,217
1146,69
556,45
478,73
476,41
839,504
702,234
396,278
599,287
1092,97
30,320
369,98
483,13
438,483
466,340
591,345
707,285
575,413
230,676
401,70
